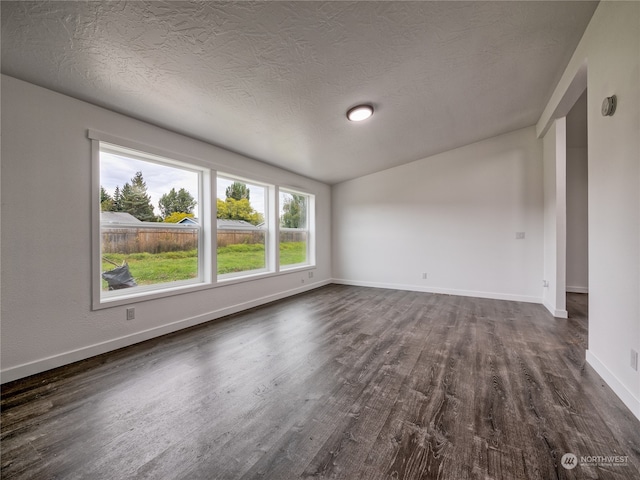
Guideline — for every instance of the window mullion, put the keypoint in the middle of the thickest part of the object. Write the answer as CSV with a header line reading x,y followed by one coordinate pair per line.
x,y
275,219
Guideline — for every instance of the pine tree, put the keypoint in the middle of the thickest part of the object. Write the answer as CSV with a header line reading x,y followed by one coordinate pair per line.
x,y
136,201
117,200
106,202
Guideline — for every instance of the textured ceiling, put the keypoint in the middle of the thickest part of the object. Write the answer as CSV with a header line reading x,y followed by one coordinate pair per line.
x,y
272,80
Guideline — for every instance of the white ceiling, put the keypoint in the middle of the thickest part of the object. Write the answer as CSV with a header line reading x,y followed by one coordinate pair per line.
x,y
273,80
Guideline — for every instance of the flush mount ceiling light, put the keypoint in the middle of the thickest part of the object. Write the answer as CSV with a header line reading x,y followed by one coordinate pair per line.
x,y
359,113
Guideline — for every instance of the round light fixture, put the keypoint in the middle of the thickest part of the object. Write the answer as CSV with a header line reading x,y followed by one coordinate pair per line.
x,y
359,113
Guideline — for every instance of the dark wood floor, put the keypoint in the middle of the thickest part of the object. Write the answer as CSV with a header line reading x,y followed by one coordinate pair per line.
x,y
341,382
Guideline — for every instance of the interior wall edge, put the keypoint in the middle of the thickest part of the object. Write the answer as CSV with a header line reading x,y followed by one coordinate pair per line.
x,y
627,397
556,312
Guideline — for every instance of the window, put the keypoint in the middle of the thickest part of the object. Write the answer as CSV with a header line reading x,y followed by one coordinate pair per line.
x,y
153,235
294,241
153,225
242,227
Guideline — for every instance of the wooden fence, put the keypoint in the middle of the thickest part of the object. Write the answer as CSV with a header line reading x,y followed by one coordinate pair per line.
x,y
151,240
231,237
158,240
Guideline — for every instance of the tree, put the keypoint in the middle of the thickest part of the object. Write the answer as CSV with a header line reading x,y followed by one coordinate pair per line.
x,y
237,205
176,202
237,191
294,212
136,201
175,217
106,202
117,200
233,209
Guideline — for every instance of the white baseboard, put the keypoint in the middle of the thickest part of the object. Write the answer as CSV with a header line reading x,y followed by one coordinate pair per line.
x,y
627,397
41,365
555,312
444,291
577,289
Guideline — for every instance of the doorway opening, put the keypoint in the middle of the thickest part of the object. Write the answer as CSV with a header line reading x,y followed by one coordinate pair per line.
x,y
577,210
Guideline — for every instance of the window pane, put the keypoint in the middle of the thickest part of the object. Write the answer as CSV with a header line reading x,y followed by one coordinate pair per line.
x,y
293,228
241,214
293,247
139,255
293,210
150,232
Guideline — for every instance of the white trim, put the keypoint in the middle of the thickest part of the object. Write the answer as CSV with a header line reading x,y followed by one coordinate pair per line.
x,y
96,247
309,229
108,143
83,353
565,95
623,393
557,313
146,150
444,291
577,289
143,293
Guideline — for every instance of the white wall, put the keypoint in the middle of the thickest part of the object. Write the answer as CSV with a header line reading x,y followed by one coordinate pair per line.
x,y
46,235
577,199
611,49
453,216
555,218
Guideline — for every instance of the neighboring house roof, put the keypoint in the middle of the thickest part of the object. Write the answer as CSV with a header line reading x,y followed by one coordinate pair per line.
x,y
225,224
117,217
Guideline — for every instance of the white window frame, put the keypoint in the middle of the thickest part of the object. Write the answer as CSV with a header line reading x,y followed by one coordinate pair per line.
x,y
310,230
206,228
270,240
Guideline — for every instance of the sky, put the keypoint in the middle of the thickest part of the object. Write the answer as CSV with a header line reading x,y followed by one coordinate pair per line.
x,y
256,194
116,170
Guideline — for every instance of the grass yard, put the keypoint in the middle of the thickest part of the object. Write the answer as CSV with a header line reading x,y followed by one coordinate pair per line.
x,y
293,252
240,258
150,268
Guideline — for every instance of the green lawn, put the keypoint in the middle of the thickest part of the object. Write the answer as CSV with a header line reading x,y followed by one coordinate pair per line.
x,y
240,258
293,252
148,268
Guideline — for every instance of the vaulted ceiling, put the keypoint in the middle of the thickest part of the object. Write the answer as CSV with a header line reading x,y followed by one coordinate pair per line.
x,y
273,80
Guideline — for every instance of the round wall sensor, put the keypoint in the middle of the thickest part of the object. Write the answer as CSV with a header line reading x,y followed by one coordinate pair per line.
x,y
609,106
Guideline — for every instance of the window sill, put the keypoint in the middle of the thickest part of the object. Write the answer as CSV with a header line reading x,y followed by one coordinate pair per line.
x,y
143,296
261,275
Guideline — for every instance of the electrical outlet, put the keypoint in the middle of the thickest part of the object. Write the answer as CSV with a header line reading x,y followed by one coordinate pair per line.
x,y
545,283
634,359
131,313
310,274
519,235
424,276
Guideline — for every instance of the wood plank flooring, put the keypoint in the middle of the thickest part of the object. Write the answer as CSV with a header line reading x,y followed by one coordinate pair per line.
x,y
341,382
